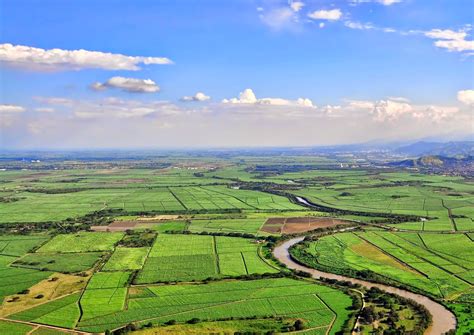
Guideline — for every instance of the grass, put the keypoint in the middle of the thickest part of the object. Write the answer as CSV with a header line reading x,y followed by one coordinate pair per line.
x,y
438,264
62,312
17,245
197,257
284,297
81,242
219,327
54,287
13,328
105,294
126,259
14,280
59,262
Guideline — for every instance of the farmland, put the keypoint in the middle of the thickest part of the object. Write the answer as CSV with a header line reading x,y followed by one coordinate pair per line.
x,y
260,298
196,257
187,247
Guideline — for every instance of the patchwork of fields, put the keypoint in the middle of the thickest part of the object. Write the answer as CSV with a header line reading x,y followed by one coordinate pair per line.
x,y
440,264
196,257
317,305
187,257
108,301
37,207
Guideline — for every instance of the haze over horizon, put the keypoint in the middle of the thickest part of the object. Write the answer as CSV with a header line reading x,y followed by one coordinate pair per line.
x,y
235,73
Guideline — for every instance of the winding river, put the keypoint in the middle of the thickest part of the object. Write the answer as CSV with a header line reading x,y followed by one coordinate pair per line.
x,y
443,319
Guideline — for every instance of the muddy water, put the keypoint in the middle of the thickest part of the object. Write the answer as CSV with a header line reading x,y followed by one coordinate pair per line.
x,y
443,319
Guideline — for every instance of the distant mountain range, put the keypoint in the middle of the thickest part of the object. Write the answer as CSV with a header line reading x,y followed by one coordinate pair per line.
x,y
448,149
416,149
435,162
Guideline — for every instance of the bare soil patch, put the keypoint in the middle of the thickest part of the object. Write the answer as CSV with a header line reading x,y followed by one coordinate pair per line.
x,y
294,225
116,226
159,218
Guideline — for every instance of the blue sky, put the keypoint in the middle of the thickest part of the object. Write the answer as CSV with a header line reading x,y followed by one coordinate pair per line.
x,y
371,64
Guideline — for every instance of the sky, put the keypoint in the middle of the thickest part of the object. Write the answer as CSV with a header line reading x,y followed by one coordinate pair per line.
x,y
235,73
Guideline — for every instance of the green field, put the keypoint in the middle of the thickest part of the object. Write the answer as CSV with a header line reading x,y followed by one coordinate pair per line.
x,y
81,242
105,294
188,254
63,312
126,259
59,262
436,263
196,257
285,297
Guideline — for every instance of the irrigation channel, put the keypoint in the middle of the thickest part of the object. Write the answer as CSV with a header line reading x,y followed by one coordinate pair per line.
x,y
443,319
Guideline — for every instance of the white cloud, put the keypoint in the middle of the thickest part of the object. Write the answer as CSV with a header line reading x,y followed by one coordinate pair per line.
x,y
132,85
383,2
54,101
285,122
248,97
330,15
388,2
279,18
446,34
199,96
388,110
296,6
358,25
11,109
57,59
321,24
466,97
45,110
451,40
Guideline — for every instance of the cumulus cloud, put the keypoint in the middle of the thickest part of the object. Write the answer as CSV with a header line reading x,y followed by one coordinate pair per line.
x,y
466,97
132,85
296,6
451,40
11,109
57,59
330,15
249,121
389,110
248,97
394,109
199,96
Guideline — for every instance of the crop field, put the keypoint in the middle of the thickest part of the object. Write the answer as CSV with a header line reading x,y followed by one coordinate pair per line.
x,y
279,297
431,197
63,312
437,263
37,207
126,259
197,257
17,245
250,226
104,294
13,328
65,262
99,248
15,279
81,242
